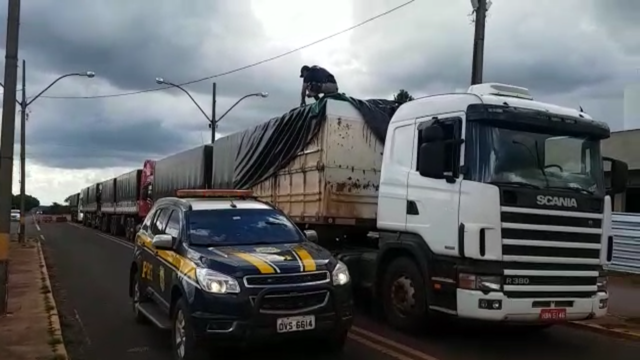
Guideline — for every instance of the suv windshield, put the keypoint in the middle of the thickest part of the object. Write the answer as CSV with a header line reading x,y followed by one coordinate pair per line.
x,y
241,227
523,158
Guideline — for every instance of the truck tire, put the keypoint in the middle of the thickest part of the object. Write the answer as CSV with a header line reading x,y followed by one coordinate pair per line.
x,y
404,296
184,343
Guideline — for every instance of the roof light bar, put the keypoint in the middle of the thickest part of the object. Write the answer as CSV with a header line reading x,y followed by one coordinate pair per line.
x,y
218,193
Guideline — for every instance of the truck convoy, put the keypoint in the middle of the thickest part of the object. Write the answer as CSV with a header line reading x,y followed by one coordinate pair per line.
x,y
482,205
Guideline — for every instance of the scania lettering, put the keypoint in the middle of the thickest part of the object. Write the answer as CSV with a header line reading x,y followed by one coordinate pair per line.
x,y
557,201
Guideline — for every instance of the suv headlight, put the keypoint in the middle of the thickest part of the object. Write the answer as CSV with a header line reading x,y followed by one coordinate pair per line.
x,y
340,274
217,283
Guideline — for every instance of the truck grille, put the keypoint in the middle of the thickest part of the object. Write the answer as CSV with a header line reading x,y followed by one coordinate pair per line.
x,y
282,280
290,303
550,254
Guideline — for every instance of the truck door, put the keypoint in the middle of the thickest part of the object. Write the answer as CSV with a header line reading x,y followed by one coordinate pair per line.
x,y
433,203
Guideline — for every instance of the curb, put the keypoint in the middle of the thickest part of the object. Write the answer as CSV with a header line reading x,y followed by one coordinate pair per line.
x,y
618,333
59,349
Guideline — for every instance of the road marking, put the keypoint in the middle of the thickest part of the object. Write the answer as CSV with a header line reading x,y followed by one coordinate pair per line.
x,y
35,221
42,237
387,348
391,343
380,348
84,331
108,237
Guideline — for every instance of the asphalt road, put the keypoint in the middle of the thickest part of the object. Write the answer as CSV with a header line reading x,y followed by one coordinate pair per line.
x,y
90,286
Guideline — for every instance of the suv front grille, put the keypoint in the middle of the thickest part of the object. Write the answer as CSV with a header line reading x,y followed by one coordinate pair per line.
x,y
282,280
289,303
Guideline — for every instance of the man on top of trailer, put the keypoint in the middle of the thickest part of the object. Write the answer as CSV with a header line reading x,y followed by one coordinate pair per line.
x,y
316,81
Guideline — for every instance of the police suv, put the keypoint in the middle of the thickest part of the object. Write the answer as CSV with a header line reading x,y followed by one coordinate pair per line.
x,y
218,266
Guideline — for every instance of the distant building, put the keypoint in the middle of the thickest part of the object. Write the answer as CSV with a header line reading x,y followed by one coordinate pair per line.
x,y
632,107
625,146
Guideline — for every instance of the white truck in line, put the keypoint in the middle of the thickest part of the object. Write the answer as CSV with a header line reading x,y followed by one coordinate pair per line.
x,y
482,205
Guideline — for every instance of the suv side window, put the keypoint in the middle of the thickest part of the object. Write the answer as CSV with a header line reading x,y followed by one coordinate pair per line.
x,y
173,224
146,225
160,221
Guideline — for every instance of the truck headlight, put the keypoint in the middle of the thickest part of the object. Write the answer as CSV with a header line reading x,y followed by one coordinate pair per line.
x,y
602,283
341,274
480,282
216,283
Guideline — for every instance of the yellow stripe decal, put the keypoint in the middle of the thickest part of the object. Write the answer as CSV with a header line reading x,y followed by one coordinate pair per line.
x,y
260,264
307,260
184,265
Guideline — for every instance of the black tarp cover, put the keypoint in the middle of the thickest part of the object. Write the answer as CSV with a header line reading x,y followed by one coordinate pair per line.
x,y
244,159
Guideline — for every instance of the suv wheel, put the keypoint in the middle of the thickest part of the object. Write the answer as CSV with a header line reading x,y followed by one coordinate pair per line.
x,y
137,298
185,344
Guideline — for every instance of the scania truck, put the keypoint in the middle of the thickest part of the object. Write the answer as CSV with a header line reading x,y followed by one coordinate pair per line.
x,y
483,205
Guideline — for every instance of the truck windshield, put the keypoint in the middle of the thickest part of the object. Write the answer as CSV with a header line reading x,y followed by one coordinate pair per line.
x,y
522,158
240,227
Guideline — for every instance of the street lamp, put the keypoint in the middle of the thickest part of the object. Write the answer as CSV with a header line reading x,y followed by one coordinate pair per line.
x,y
24,104
213,122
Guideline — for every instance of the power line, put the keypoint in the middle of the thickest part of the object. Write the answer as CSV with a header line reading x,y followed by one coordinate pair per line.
x,y
240,68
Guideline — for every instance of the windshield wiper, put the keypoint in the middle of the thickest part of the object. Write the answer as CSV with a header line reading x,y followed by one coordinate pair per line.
x,y
517,184
574,189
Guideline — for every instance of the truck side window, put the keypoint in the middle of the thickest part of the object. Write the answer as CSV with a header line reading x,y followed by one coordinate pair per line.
x,y
452,134
402,146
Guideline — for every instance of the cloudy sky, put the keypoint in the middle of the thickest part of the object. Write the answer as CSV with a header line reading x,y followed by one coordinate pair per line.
x,y
572,52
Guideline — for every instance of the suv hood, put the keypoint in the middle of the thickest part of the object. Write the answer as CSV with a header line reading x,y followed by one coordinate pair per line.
x,y
243,260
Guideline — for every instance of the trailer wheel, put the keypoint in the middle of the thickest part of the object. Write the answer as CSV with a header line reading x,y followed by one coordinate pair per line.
x,y
404,296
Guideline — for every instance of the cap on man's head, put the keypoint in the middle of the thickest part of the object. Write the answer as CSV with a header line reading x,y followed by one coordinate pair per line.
x,y
304,69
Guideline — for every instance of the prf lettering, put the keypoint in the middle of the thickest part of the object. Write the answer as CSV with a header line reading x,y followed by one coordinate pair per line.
x,y
147,271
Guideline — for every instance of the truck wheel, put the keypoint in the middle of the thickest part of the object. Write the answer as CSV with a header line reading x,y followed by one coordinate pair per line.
x,y
137,298
185,344
404,297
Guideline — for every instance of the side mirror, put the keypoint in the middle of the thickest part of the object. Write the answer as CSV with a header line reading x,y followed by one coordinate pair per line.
x,y
431,160
311,235
432,133
619,176
162,242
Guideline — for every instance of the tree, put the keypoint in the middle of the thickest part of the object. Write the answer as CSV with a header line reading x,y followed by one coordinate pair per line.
x,y
402,96
29,202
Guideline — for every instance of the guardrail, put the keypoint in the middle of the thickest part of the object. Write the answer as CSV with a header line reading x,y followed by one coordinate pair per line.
x,y
626,243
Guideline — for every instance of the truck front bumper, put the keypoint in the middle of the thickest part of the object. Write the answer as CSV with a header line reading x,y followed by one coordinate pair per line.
x,y
470,305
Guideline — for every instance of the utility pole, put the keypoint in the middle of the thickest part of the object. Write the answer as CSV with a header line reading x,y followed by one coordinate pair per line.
x,y
213,124
7,137
478,41
23,156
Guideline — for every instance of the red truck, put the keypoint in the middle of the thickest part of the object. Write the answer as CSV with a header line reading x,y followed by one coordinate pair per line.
x,y
119,204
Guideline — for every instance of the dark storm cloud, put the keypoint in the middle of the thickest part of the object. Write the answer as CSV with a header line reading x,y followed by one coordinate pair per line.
x,y
98,144
129,44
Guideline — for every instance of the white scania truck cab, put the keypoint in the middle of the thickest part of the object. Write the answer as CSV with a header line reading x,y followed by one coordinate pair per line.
x,y
491,206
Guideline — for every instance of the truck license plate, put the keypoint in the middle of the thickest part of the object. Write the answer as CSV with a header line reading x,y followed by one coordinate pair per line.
x,y
296,323
553,314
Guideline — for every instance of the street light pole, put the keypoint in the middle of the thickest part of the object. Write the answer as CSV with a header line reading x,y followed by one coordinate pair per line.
x,y
480,8
23,141
24,104
7,137
213,123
